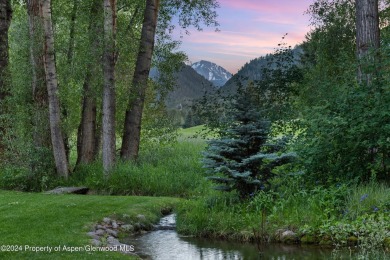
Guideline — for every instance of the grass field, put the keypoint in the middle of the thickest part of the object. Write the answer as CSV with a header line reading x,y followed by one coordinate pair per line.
x,y
31,219
36,219
191,131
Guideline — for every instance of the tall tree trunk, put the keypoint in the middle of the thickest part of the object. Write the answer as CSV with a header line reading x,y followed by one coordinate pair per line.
x,y
72,30
64,110
5,21
87,133
367,34
40,99
52,89
368,44
133,119
87,128
109,85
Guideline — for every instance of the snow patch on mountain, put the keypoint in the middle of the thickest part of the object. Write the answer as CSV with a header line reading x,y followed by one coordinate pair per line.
x,y
212,72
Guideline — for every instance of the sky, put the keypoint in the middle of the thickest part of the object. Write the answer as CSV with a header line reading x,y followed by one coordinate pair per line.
x,y
248,29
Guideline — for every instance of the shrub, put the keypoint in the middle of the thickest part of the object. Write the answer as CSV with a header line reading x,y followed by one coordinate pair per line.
x,y
22,179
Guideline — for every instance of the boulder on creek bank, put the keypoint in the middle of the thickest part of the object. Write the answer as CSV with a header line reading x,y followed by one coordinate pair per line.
x,y
289,237
105,235
286,236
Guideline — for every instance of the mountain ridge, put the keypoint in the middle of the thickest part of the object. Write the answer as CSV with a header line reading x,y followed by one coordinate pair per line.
x,y
253,69
214,73
189,86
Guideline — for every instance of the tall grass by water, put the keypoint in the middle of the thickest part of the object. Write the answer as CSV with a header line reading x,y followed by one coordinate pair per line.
x,y
173,170
367,199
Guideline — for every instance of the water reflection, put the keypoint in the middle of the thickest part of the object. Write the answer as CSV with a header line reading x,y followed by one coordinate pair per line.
x,y
166,244
268,251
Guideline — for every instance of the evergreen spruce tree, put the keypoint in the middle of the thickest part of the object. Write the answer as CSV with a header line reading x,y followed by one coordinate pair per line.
x,y
243,159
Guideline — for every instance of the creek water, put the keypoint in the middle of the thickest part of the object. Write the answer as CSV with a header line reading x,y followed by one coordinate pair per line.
x,y
166,244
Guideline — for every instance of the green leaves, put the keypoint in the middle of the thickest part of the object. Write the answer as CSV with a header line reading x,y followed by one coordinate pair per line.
x,y
346,124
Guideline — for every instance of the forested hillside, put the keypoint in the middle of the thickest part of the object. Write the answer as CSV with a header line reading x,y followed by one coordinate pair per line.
x,y
254,69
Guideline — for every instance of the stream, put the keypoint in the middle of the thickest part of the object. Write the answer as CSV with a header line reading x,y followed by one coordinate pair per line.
x,y
166,244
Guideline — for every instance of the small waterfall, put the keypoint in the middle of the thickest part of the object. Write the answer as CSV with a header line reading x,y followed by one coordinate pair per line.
x,y
166,223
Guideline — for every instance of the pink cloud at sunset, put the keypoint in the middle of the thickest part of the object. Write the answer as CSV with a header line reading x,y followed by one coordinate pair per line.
x,y
284,6
248,29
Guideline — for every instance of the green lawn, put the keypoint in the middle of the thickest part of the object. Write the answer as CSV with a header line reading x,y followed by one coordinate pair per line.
x,y
195,134
30,219
191,131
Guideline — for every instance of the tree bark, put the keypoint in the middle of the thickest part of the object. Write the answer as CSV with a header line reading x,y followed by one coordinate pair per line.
x,y
5,21
368,44
87,129
133,119
109,86
69,55
72,31
367,35
87,133
52,89
40,100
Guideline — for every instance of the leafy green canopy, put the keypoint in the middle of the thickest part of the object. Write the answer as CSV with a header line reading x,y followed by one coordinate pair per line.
x,y
243,158
346,123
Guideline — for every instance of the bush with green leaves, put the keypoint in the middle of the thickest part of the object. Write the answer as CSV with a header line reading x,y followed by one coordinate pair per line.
x,y
23,179
346,122
243,158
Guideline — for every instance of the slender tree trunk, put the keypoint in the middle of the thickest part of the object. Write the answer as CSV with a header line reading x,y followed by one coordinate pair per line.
x,y
367,35
87,128
52,89
72,31
368,44
35,22
64,110
40,99
133,119
5,21
87,134
109,85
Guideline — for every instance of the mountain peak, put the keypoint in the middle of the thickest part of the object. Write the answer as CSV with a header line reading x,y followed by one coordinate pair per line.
x,y
212,72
